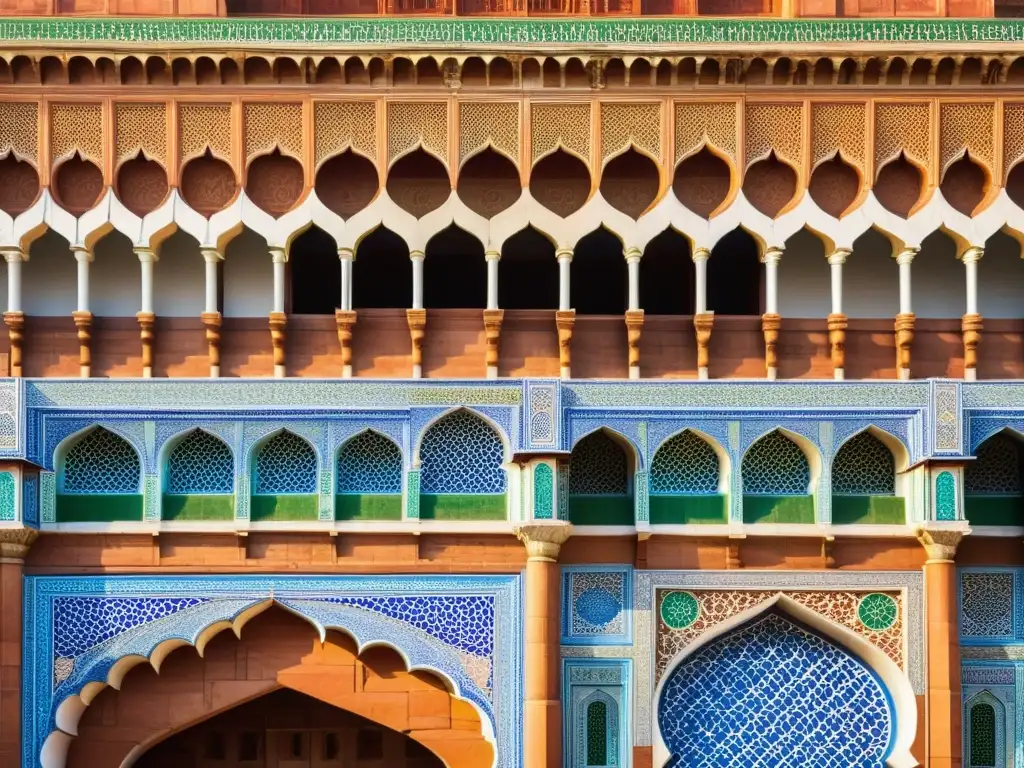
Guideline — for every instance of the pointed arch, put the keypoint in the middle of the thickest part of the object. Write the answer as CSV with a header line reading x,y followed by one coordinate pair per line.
x,y
985,743
99,478
779,473
689,480
198,462
597,737
993,487
285,478
601,469
882,690
866,486
369,470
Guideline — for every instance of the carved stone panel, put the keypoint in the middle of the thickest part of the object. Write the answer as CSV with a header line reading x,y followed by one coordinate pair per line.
x,y
79,185
141,185
19,185
208,184
275,183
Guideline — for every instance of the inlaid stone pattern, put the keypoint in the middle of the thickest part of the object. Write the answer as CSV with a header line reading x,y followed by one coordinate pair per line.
x,y
489,123
986,604
700,123
774,689
596,602
370,463
19,130
876,616
340,125
462,454
142,127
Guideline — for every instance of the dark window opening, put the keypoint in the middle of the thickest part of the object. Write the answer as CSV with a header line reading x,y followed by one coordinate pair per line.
x,y
315,273
249,746
382,272
528,272
216,749
455,272
369,744
599,281
667,276
734,275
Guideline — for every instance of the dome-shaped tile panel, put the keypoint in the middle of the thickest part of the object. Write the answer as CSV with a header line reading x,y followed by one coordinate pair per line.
x,y
597,606
774,693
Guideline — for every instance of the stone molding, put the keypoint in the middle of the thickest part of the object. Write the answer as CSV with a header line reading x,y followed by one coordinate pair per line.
x,y
940,543
15,543
544,540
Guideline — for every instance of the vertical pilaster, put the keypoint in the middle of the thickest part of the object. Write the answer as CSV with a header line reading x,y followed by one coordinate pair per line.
x,y
771,321
542,721
211,311
146,316
14,317
971,323
905,319
702,319
944,712
837,322
14,546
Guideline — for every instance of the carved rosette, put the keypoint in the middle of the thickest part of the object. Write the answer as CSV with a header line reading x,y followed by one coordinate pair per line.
x,y
15,322
544,540
417,319
565,319
837,324
971,325
212,322
278,321
702,325
940,543
345,320
15,543
146,322
492,334
904,342
634,328
83,322
770,324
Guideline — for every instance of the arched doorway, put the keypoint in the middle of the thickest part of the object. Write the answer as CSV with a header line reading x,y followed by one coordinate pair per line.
x,y
287,729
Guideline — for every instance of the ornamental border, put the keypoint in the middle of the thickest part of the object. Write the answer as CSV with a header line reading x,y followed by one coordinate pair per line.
x,y
574,33
40,592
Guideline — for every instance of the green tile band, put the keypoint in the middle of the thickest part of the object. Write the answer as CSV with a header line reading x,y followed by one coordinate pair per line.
x,y
518,32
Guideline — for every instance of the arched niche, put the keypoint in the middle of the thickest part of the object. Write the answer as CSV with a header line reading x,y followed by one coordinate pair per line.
x,y
455,271
315,273
629,183
865,486
500,72
99,478
418,183
769,185
141,185
474,72
561,183
601,469
198,478
993,493
667,276
19,185
835,185
985,731
329,72
898,186
285,478
528,272
382,272
208,184
275,182
689,480
965,185
347,183
702,182
489,183
369,478
78,185
600,282
735,275
779,473
207,72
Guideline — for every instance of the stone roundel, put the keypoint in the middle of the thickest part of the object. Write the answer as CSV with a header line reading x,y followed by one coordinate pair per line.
x,y
877,612
679,609
597,606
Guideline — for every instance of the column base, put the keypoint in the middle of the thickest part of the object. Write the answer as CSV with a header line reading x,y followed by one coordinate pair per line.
x,y
702,374
837,324
15,322
565,373
214,371
345,319
772,374
904,340
971,325
703,322
346,371
839,374
146,322
492,336
417,371
492,371
634,372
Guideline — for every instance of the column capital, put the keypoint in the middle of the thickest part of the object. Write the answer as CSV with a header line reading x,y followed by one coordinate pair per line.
x,y
906,256
700,253
15,543
279,255
417,255
839,256
940,542
146,254
346,254
632,254
972,254
13,254
563,254
772,254
492,255
544,540
211,255
81,253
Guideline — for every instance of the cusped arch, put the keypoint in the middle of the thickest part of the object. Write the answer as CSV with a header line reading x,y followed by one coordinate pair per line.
x,y
462,451
885,714
896,445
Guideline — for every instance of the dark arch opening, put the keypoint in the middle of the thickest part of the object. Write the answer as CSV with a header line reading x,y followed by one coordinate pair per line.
x,y
1015,184
418,183
964,185
898,187
347,183
599,280
500,72
19,185
528,272
630,183
315,271
208,184
329,71
355,71
79,185
382,272
834,186
275,182
489,183
561,183
757,72
769,185
667,276
132,72
207,72
455,272
734,275
702,182
141,185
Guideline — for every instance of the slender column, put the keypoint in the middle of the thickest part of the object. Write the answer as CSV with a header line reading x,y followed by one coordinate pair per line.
x,y
944,721
492,315
211,313
771,321
905,319
565,317
146,316
542,721
82,315
634,315
14,546
837,322
14,317
971,323
417,316
702,319
278,319
345,317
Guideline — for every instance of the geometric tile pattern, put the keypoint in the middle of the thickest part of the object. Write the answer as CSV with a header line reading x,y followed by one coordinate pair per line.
x,y
864,466
685,464
996,470
462,454
843,607
773,693
945,496
598,467
987,604
101,462
596,605
199,464
286,464
370,463
775,466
